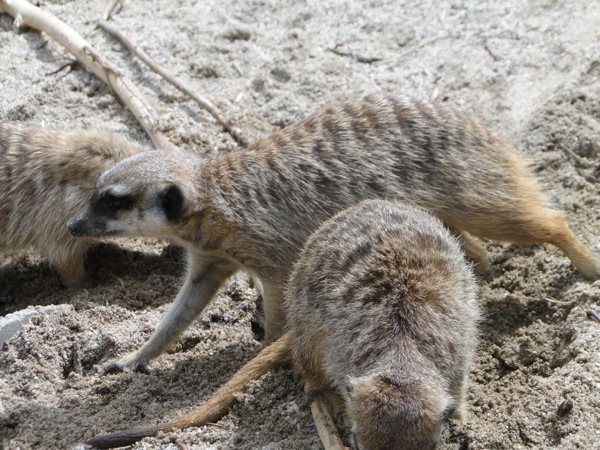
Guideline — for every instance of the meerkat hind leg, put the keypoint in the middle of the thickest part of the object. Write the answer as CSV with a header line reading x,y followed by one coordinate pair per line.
x,y
458,390
273,308
578,253
473,249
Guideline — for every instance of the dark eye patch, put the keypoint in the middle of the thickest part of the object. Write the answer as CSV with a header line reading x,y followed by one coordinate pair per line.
x,y
110,204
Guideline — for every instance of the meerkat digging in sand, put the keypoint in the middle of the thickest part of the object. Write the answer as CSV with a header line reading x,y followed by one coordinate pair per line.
x,y
254,210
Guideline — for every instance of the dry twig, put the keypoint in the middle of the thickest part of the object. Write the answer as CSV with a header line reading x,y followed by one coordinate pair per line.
x,y
26,14
558,302
110,9
424,43
69,65
593,315
358,57
180,445
171,78
325,425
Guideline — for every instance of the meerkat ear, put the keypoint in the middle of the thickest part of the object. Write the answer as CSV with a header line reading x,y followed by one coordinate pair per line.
x,y
171,199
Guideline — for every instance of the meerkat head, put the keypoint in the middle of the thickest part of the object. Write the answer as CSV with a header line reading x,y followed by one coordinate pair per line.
x,y
387,413
148,194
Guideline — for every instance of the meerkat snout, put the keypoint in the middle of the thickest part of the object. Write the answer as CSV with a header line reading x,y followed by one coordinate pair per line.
x,y
114,212
94,219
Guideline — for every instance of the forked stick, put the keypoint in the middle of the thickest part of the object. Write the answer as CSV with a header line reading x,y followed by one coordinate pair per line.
x,y
325,425
112,6
26,14
171,78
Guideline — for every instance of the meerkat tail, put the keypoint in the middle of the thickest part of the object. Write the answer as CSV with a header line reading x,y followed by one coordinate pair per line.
x,y
271,357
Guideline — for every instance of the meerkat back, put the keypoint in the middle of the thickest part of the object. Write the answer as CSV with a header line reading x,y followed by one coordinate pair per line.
x,y
46,176
381,308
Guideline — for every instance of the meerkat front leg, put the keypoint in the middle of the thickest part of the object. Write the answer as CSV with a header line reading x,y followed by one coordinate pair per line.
x,y
71,270
205,276
272,294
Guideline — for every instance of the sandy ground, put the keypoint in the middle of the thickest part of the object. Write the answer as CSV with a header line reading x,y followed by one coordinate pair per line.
x,y
530,70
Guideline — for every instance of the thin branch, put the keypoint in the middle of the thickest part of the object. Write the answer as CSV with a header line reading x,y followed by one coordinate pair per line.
x,y
26,14
424,43
69,65
358,57
325,425
557,302
492,53
110,9
593,315
171,78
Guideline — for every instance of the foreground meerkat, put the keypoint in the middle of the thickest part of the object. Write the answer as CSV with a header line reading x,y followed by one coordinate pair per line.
x,y
254,210
381,309
47,176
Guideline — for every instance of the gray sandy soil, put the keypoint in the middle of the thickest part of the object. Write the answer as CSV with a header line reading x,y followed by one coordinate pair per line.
x,y
530,70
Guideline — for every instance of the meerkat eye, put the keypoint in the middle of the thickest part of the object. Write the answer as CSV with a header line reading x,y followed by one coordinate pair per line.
x,y
171,199
110,204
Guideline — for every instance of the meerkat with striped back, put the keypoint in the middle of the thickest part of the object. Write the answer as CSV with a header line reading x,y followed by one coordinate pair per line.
x,y
254,210
47,176
382,310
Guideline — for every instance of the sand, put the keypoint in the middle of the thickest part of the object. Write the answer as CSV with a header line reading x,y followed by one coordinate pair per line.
x,y
530,70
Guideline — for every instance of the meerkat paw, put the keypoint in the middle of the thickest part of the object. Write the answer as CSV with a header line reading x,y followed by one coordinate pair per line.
x,y
459,413
71,272
590,269
71,276
130,362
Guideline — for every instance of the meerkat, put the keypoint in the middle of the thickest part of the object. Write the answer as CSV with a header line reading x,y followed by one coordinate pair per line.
x,y
47,176
381,310
254,210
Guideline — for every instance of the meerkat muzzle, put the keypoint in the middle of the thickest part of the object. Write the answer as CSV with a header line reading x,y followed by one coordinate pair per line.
x,y
82,226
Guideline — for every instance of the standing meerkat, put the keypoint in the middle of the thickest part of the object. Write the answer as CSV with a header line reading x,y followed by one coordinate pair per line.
x,y
47,176
381,310
254,210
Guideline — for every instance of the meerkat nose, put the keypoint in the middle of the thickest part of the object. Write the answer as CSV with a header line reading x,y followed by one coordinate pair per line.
x,y
75,226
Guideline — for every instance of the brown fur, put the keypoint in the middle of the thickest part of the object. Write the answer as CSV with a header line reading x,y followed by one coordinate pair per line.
x,y
47,176
254,210
381,309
